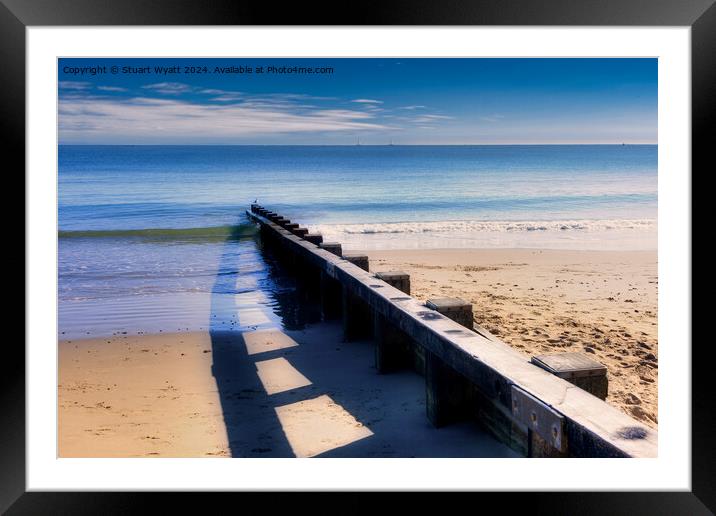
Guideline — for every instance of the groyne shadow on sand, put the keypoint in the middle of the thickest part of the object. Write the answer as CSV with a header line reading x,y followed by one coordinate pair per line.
x,y
289,386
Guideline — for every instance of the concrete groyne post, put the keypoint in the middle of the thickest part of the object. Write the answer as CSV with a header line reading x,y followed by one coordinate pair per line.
x,y
393,348
331,297
266,235
284,223
314,238
270,236
397,279
331,290
453,308
447,393
284,249
357,318
358,259
332,247
578,369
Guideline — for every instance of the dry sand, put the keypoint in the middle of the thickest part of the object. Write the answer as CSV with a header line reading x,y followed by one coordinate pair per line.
x,y
139,396
602,303
266,393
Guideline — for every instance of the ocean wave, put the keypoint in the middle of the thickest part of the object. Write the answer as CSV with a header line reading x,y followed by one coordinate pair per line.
x,y
477,226
168,234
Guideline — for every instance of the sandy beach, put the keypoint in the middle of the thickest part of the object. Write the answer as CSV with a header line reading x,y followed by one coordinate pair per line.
x,y
266,393
186,329
306,393
280,393
139,396
602,303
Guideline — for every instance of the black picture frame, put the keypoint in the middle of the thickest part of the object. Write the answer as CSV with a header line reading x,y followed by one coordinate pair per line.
x,y
700,15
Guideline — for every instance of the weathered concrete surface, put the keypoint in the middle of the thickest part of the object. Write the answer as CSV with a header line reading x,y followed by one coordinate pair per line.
x,y
331,297
359,259
393,349
453,308
357,317
447,393
314,238
592,428
332,247
578,369
397,279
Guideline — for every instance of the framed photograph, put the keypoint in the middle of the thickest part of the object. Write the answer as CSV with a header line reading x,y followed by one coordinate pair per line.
x,y
428,249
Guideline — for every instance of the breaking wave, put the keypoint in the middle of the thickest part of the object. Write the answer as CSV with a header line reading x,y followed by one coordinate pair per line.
x,y
212,233
475,226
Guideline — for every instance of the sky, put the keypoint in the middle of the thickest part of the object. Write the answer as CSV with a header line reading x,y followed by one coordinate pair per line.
x,y
403,101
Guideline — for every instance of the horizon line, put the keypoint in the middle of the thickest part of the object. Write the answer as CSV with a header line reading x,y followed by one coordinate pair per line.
x,y
341,144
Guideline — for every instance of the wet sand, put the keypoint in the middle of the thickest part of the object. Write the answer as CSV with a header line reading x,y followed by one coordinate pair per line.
x,y
602,303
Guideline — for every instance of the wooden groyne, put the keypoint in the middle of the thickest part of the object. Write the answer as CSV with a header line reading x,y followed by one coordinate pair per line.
x,y
540,409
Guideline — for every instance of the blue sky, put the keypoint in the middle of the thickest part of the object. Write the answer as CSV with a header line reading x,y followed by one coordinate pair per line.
x,y
374,101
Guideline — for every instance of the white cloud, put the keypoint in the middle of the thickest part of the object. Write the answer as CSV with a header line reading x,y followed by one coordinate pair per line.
x,y
74,85
225,98
492,118
412,107
437,117
367,101
222,95
145,119
426,119
169,88
111,88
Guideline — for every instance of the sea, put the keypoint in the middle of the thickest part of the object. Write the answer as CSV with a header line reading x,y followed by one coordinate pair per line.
x,y
156,238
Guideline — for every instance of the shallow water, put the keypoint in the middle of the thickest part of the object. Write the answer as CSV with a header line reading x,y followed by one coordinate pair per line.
x,y
154,237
